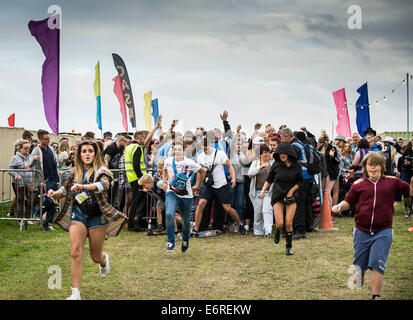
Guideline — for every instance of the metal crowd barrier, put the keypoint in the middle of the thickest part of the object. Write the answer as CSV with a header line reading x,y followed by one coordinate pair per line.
x,y
22,200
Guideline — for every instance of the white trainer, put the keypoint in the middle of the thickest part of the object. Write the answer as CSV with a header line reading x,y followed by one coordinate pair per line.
x,y
75,294
104,271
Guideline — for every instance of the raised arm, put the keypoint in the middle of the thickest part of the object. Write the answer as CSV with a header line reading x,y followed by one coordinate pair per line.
x,y
227,127
158,125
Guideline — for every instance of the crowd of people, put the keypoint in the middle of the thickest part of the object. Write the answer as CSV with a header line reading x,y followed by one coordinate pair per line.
x,y
268,183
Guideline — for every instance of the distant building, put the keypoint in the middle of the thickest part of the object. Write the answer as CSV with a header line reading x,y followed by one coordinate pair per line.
x,y
395,134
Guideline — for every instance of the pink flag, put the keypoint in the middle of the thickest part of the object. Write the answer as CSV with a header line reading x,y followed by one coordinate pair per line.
x,y
117,89
343,121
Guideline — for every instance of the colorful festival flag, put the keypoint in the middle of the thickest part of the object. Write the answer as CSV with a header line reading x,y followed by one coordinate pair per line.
x,y
11,120
49,40
155,111
363,110
127,91
343,121
96,86
147,110
117,89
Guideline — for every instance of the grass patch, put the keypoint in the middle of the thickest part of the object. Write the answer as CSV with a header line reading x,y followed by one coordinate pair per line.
x,y
226,267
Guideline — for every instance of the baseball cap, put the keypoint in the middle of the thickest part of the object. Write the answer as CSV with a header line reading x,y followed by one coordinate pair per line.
x,y
258,140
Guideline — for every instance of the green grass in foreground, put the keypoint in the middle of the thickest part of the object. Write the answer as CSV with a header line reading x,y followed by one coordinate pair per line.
x,y
229,266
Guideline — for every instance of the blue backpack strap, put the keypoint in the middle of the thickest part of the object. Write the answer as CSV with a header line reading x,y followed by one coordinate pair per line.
x,y
85,178
174,167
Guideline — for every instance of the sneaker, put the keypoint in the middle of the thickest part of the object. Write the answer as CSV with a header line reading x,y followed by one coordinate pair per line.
x,y
288,252
268,235
178,236
48,227
241,229
247,227
159,229
104,271
185,246
75,294
194,233
10,214
170,247
29,222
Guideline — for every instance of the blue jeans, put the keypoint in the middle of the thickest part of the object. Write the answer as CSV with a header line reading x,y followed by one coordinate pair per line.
x,y
48,204
237,196
172,201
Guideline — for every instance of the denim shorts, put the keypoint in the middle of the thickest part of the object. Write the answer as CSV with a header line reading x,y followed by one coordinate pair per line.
x,y
89,222
371,250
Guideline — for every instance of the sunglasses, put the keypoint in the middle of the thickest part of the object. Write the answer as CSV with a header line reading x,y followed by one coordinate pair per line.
x,y
87,142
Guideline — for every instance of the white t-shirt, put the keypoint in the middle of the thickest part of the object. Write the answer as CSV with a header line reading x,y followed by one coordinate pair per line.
x,y
218,174
185,166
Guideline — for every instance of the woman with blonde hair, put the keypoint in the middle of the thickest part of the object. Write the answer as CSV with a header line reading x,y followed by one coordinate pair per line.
x,y
86,210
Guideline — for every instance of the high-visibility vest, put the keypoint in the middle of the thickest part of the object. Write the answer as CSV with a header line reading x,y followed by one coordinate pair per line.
x,y
129,153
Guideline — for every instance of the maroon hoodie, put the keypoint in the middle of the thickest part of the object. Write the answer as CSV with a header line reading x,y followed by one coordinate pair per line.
x,y
374,201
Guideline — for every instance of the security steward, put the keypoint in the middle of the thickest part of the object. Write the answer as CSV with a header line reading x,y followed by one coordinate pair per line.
x,y
135,168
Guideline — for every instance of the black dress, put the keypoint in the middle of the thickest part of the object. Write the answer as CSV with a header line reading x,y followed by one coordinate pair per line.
x,y
284,178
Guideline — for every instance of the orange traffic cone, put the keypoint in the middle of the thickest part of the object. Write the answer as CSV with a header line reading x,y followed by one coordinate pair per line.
x,y
326,223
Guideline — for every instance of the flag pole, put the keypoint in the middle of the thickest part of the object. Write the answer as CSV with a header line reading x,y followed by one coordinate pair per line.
x,y
407,87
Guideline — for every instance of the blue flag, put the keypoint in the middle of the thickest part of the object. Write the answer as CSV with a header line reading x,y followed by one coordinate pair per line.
x,y
363,110
155,110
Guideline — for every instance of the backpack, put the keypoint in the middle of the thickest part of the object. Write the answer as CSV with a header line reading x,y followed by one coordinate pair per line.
x,y
313,160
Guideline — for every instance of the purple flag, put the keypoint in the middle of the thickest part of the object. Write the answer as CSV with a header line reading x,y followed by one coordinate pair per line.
x,y
49,40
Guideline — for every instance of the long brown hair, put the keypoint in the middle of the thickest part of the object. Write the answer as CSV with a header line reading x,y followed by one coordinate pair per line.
x,y
64,146
98,161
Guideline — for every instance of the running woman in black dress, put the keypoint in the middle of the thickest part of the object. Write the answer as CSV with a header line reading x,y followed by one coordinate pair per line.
x,y
287,177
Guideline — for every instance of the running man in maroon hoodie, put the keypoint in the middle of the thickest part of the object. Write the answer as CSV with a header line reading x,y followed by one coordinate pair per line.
x,y
373,198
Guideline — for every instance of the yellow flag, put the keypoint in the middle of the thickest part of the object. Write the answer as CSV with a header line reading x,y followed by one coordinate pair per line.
x,y
147,110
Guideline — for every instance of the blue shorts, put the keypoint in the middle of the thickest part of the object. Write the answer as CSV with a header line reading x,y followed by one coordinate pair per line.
x,y
89,222
371,250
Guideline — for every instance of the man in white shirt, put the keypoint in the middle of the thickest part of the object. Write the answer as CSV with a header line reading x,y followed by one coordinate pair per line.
x,y
214,161
181,196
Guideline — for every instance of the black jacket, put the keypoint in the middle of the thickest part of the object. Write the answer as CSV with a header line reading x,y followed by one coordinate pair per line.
x,y
332,162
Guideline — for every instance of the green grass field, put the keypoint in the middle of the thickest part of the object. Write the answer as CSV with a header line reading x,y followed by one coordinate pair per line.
x,y
229,266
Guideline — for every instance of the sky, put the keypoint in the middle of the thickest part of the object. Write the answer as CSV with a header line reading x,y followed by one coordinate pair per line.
x,y
268,61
